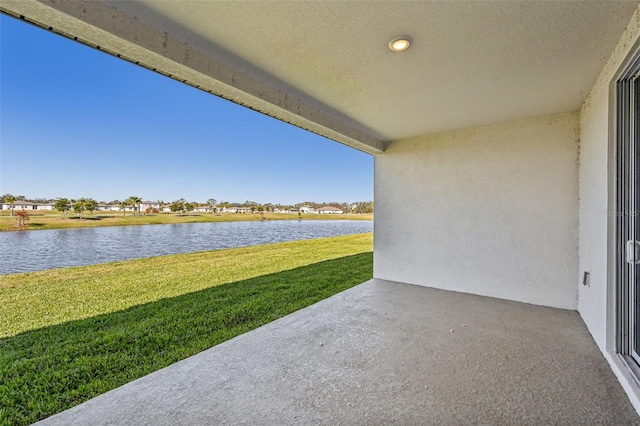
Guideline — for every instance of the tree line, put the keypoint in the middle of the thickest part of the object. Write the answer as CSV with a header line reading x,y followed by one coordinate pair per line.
x,y
81,205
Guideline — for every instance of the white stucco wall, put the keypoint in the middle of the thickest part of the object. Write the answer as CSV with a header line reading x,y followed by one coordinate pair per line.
x,y
594,157
594,209
490,211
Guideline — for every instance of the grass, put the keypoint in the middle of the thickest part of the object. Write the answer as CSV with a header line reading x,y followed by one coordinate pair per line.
x,y
54,220
71,334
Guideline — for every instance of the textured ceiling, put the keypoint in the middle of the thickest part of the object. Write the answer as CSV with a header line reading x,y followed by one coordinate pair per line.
x,y
471,63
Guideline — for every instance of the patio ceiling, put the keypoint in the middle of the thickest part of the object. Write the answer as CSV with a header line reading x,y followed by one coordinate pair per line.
x,y
472,63
325,66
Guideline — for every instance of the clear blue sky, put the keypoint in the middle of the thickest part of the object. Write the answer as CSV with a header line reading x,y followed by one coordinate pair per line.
x,y
76,122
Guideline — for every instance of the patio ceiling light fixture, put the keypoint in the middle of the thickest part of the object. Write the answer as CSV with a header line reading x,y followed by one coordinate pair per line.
x,y
400,44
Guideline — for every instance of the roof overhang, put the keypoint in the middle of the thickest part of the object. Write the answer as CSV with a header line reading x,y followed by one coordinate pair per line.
x,y
325,66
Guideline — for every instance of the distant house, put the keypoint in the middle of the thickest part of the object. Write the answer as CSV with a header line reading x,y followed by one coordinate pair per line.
x,y
107,207
307,209
201,209
148,204
20,205
46,206
27,205
236,209
329,210
280,210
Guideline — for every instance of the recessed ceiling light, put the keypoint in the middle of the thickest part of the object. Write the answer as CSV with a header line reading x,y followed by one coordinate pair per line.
x,y
400,44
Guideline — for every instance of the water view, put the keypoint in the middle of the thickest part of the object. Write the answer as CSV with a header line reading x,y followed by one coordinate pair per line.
x,y
39,250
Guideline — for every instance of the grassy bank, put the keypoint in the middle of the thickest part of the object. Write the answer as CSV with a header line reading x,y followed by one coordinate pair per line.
x,y
50,220
71,334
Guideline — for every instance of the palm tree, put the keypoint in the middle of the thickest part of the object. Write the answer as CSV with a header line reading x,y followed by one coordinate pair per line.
x,y
10,200
135,202
123,206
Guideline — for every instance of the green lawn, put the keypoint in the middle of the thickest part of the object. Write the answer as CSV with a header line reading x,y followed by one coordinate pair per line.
x,y
71,334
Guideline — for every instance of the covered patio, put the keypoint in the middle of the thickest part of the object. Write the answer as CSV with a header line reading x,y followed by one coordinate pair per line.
x,y
507,191
384,353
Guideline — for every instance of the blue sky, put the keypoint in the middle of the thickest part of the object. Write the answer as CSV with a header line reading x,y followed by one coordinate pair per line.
x,y
76,122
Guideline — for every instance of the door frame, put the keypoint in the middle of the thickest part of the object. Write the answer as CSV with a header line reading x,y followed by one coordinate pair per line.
x,y
618,316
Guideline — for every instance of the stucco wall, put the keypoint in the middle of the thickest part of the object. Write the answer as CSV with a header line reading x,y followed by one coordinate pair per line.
x,y
490,211
594,157
596,301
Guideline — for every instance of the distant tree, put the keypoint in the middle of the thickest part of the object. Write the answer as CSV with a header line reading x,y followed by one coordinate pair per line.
x,y
177,206
62,205
123,206
211,202
364,207
155,211
189,206
10,199
78,206
90,205
161,205
22,217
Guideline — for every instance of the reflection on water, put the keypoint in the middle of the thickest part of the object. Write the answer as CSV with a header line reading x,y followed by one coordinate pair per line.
x,y
37,250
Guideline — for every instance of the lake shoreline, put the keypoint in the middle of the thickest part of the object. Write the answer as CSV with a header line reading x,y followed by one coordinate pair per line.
x,y
35,223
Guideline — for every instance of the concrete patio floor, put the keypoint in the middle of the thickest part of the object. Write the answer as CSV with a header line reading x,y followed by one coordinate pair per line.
x,y
383,353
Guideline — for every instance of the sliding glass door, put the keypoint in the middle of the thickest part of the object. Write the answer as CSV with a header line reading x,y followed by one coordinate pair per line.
x,y
628,212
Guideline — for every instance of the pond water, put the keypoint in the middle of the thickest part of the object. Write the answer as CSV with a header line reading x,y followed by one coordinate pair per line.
x,y
28,251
